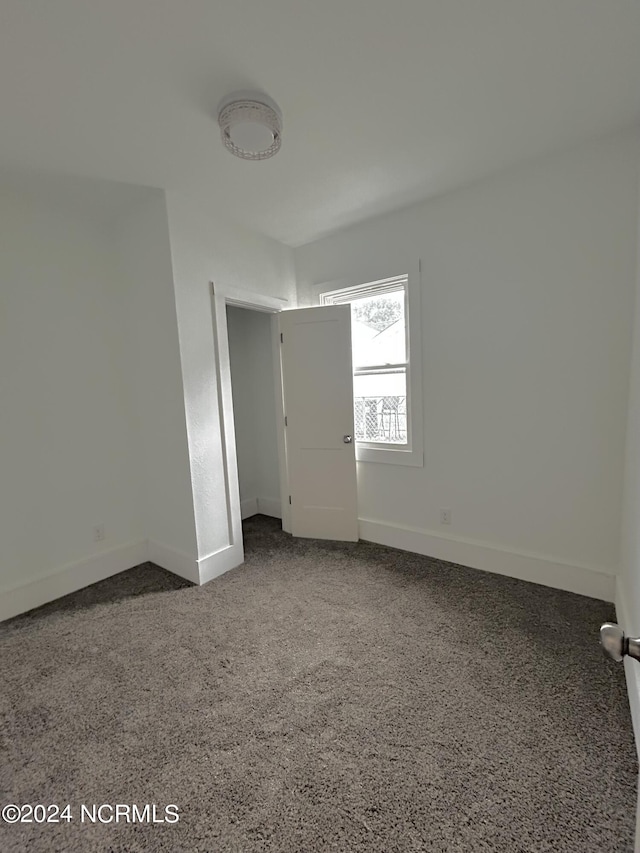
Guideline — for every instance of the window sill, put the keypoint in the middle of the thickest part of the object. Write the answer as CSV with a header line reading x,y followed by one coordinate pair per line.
x,y
389,455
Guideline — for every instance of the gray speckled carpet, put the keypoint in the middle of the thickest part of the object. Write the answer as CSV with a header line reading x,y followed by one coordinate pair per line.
x,y
321,697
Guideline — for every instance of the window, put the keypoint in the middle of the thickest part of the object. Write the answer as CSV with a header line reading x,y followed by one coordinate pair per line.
x,y
383,389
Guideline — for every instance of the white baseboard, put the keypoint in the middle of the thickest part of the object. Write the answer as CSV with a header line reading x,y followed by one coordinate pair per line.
x,y
71,578
270,506
75,576
248,508
631,667
219,562
536,568
177,562
262,506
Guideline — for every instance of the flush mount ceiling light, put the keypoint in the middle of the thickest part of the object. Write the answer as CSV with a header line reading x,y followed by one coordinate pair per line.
x,y
251,125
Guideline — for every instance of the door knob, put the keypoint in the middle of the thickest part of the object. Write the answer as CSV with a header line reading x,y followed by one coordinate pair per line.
x,y
348,439
616,644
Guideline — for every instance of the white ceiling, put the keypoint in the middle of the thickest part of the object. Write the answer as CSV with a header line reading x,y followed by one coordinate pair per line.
x,y
385,102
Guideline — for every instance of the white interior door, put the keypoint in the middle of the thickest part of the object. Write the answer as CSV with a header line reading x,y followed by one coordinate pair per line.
x,y
317,386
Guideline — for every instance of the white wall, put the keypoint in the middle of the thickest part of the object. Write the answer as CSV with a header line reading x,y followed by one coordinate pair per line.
x,y
205,248
254,408
527,297
67,447
150,344
628,583
110,412
241,358
267,437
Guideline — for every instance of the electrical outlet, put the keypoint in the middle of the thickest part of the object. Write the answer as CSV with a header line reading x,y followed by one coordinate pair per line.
x,y
98,533
445,516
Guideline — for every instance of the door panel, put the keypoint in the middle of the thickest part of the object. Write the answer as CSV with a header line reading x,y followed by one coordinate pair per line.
x,y
318,399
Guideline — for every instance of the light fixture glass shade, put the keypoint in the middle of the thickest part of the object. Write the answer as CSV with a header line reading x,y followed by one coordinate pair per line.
x,y
250,127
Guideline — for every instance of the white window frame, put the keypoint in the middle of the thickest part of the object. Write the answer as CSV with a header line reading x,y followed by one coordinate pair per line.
x,y
333,292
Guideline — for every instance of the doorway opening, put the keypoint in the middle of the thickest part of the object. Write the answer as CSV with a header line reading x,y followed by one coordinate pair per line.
x,y
253,303
253,390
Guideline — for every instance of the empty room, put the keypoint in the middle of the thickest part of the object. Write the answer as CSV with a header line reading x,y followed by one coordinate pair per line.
x,y
319,426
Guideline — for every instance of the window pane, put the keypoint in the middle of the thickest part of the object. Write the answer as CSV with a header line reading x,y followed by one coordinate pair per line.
x,y
378,329
380,402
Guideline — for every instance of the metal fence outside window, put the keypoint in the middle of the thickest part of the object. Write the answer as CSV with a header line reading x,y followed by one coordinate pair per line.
x,y
382,419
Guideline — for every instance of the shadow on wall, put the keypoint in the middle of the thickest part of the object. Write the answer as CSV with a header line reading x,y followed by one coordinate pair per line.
x,y
144,579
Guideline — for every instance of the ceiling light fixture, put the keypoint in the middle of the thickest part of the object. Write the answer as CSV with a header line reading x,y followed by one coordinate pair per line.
x,y
251,125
